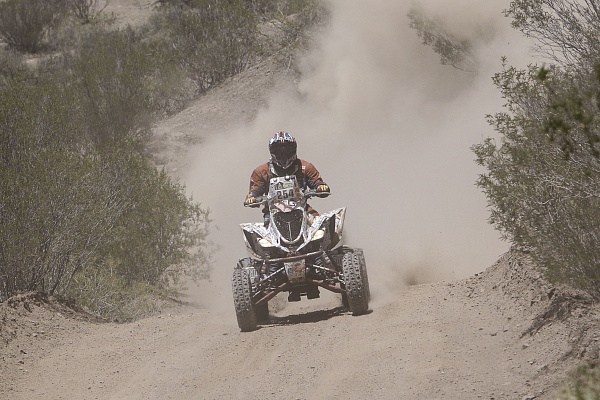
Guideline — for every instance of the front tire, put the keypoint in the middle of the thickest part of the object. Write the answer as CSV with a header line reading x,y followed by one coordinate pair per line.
x,y
357,282
363,267
242,300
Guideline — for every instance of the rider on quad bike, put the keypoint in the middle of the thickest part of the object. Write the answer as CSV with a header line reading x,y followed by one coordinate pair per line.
x,y
284,162
295,249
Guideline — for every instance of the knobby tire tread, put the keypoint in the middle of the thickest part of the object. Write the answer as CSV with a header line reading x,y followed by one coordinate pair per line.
x,y
242,299
357,284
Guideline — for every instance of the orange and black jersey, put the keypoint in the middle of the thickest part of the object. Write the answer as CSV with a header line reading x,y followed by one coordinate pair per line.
x,y
306,174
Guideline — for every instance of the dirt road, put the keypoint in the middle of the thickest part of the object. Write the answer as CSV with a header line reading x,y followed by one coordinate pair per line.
x,y
459,340
430,344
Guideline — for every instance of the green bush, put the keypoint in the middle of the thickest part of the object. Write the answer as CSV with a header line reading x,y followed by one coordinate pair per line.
x,y
71,212
565,31
299,20
113,71
160,234
82,202
52,209
453,51
543,178
87,10
157,239
544,190
210,39
25,23
584,384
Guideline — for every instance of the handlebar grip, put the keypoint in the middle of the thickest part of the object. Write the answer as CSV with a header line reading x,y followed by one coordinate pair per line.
x,y
314,193
259,202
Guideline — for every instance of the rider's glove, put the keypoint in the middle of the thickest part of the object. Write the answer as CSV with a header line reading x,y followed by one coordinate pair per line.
x,y
323,188
249,200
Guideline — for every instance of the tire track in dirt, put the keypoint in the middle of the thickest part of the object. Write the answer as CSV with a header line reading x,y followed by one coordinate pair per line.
x,y
435,342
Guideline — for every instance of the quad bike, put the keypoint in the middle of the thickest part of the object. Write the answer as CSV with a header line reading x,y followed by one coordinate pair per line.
x,y
294,252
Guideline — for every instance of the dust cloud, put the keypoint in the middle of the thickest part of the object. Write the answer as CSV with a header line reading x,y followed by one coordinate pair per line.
x,y
390,130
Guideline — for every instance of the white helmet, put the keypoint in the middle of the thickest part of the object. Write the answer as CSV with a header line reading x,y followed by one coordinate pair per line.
x,y
282,147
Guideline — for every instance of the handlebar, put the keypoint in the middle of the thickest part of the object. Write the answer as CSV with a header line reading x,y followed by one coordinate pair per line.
x,y
259,202
314,193
262,200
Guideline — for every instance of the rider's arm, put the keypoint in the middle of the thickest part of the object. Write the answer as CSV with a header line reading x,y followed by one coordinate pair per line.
x,y
313,177
259,181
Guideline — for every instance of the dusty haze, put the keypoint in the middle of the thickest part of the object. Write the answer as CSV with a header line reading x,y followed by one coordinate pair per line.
x,y
390,130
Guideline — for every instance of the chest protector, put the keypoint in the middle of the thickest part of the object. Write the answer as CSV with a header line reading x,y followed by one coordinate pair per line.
x,y
296,169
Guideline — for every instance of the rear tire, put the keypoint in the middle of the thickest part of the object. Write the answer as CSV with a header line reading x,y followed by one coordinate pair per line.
x,y
242,299
357,282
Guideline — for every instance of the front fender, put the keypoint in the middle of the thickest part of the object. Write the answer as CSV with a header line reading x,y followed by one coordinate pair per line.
x,y
333,222
252,232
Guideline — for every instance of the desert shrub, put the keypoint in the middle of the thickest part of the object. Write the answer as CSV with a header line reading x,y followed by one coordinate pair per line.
x,y
86,10
584,384
543,177
13,67
106,294
78,206
565,31
210,39
454,51
299,20
25,23
122,82
158,236
544,188
112,69
71,34
157,239
71,212
52,209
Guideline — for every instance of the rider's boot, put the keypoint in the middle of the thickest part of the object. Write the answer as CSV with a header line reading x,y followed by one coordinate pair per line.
x,y
313,293
294,296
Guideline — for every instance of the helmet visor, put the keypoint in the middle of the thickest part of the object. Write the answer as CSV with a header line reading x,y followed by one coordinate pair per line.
x,y
283,155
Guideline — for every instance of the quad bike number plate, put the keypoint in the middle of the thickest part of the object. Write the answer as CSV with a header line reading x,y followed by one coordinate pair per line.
x,y
296,271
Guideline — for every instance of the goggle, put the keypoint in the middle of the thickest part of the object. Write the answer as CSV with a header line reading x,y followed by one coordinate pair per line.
x,y
283,153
